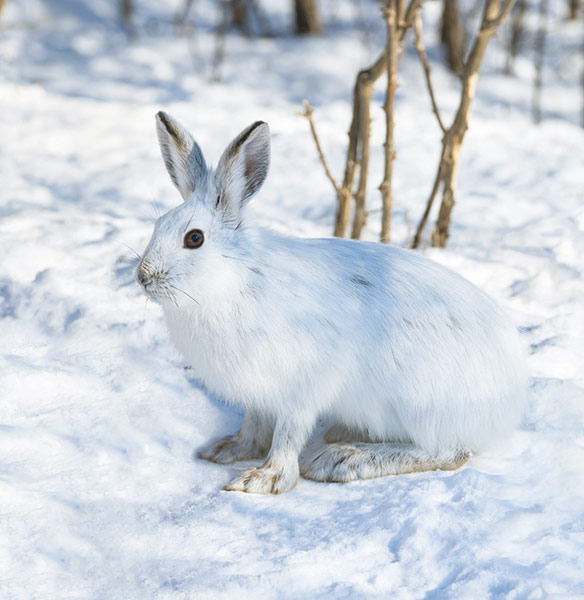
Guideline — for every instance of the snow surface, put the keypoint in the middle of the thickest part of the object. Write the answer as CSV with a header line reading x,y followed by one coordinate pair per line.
x,y
100,496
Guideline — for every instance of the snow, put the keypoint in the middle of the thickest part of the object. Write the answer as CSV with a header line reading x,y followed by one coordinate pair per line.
x,y
100,496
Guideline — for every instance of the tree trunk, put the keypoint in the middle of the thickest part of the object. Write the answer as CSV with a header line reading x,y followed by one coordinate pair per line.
x,y
2,5
538,60
452,36
127,14
239,14
365,90
582,81
574,8
307,20
516,34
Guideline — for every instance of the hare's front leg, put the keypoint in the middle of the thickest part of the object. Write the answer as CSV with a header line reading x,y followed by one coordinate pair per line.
x,y
280,471
251,441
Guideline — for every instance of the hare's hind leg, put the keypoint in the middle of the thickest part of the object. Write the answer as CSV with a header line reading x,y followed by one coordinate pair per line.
x,y
253,440
342,462
338,432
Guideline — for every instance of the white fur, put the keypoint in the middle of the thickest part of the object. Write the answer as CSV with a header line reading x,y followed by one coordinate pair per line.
x,y
379,339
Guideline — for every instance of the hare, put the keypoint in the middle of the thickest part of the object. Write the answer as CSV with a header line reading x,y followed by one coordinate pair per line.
x,y
414,366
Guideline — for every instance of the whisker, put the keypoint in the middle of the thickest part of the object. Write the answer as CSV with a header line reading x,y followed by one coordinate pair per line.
x,y
237,258
130,249
189,222
185,293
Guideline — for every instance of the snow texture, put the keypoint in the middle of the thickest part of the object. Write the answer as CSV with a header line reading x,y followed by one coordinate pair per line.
x,y
100,495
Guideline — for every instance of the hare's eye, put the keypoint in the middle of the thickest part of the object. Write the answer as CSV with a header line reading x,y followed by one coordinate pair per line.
x,y
194,239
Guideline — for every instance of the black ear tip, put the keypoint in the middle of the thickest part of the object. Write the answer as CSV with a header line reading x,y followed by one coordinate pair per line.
x,y
162,117
257,125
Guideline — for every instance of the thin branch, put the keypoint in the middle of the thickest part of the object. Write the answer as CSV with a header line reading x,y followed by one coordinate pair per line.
x,y
494,23
308,110
424,58
435,187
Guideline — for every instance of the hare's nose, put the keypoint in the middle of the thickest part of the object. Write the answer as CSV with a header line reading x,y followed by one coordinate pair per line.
x,y
142,277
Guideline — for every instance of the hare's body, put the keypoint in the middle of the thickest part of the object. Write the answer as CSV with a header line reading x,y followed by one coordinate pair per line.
x,y
374,337
414,365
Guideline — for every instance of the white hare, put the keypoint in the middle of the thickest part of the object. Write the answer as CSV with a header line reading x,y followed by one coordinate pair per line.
x,y
414,366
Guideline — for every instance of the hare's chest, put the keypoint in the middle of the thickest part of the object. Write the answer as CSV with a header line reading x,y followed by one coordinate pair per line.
x,y
223,354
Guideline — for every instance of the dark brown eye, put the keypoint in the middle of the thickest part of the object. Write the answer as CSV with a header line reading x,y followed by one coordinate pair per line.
x,y
194,239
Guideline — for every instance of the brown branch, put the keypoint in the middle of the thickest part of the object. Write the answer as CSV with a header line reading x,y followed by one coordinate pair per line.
x,y
426,65
361,106
358,146
391,16
494,22
452,143
454,135
363,134
437,181
308,110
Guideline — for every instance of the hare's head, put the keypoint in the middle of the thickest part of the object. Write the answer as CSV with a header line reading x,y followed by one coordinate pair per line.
x,y
194,247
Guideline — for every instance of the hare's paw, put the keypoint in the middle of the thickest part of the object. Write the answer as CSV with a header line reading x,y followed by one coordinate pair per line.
x,y
266,480
340,462
231,448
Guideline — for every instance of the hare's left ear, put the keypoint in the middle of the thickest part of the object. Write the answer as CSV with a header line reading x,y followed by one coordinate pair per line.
x,y
242,169
182,156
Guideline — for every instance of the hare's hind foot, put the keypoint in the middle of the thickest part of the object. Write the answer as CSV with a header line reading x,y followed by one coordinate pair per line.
x,y
343,462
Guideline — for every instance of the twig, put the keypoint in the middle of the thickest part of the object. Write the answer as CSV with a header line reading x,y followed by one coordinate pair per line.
x,y
308,110
424,58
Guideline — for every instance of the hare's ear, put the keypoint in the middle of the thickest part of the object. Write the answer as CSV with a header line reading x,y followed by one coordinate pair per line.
x,y
183,157
242,170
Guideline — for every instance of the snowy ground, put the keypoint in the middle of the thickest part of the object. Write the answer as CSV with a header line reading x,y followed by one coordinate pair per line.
x,y
99,494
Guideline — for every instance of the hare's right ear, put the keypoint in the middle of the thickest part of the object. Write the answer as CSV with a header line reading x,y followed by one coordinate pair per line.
x,y
183,157
242,169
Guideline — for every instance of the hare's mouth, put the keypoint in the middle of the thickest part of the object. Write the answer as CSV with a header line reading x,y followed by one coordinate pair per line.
x,y
156,285
158,292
